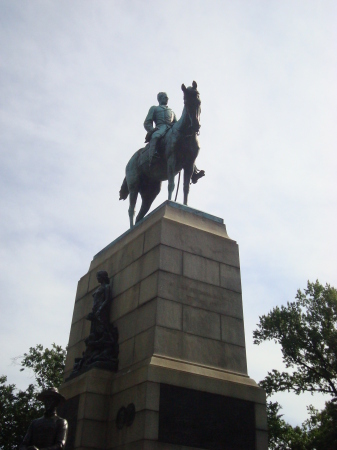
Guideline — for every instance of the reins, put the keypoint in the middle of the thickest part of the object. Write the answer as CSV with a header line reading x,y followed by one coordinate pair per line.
x,y
177,187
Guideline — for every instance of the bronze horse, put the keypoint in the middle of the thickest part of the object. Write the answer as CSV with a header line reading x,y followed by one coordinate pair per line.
x,y
179,149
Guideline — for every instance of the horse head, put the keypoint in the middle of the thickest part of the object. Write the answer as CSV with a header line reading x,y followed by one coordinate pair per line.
x,y
192,104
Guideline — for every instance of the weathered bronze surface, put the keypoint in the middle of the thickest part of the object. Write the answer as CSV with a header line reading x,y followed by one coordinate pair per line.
x,y
102,343
177,149
163,117
49,431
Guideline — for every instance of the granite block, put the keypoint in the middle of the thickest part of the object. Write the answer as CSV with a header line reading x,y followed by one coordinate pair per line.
x,y
169,314
126,351
137,271
82,308
199,294
171,259
214,353
75,333
82,286
232,330
93,407
261,440
151,425
144,345
125,302
199,242
86,328
148,288
230,277
201,322
168,342
152,237
136,321
126,256
201,269
93,434
261,417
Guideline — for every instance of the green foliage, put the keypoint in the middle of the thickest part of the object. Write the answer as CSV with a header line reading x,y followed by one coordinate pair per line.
x,y
306,329
18,408
321,427
283,436
47,365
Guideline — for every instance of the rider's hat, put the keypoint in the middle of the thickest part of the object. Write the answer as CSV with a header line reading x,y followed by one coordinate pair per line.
x,y
50,392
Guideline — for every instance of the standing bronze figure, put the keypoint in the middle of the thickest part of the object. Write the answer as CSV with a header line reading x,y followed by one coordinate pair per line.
x,y
179,148
50,431
102,343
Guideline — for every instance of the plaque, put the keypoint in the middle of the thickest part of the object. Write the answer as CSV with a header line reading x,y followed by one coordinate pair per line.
x,y
201,419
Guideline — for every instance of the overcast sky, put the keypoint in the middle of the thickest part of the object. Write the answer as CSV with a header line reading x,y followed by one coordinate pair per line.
x,y
77,79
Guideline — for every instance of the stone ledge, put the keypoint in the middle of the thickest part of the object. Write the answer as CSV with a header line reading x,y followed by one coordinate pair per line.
x,y
168,210
160,369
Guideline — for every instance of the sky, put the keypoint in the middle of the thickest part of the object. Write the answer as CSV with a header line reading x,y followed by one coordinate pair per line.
x,y
76,82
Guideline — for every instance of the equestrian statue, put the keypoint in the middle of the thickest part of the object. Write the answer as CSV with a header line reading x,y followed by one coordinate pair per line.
x,y
172,145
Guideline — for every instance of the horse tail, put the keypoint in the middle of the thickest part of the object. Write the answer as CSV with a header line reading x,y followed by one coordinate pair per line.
x,y
124,192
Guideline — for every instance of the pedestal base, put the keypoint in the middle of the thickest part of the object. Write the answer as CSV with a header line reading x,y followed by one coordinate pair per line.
x,y
182,362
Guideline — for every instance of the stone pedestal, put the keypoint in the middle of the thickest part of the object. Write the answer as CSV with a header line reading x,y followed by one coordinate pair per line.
x,y
178,307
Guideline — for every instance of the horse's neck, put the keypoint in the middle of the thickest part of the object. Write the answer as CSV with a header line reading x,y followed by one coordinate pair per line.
x,y
183,124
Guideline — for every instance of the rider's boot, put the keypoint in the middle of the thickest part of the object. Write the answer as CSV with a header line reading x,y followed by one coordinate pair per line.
x,y
197,174
153,151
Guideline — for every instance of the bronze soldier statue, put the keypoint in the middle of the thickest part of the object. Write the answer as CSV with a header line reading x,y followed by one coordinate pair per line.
x,y
179,148
163,117
50,431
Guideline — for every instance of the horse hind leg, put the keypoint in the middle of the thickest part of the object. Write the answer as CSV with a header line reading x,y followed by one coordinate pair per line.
x,y
132,205
148,192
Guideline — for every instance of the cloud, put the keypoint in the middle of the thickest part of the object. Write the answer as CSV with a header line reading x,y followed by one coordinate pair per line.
x,y
76,81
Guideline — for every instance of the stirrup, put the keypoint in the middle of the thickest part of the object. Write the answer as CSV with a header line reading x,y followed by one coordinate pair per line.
x,y
196,175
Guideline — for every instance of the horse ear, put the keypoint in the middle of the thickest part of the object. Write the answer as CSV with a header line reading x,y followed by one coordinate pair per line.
x,y
194,84
183,87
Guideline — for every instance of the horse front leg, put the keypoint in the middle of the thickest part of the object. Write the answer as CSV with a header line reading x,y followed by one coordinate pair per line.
x,y
187,179
171,165
132,205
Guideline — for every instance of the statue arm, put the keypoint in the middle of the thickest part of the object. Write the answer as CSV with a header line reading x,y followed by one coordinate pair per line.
x,y
107,298
148,122
174,118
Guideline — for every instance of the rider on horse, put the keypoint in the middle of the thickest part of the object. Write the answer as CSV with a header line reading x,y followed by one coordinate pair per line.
x,y
164,118
180,150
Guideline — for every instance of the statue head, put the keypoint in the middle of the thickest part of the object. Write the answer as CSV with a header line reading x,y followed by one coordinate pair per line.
x,y
102,276
51,398
192,104
162,98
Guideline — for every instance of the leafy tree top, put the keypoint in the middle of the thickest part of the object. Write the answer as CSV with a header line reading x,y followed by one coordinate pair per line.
x,y
46,364
306,329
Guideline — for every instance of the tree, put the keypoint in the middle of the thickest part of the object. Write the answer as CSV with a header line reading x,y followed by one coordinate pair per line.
x,y
283,436
18,408
47,365
321,427
306,329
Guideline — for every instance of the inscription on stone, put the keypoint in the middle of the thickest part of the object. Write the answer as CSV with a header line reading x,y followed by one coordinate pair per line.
x,y
201,419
